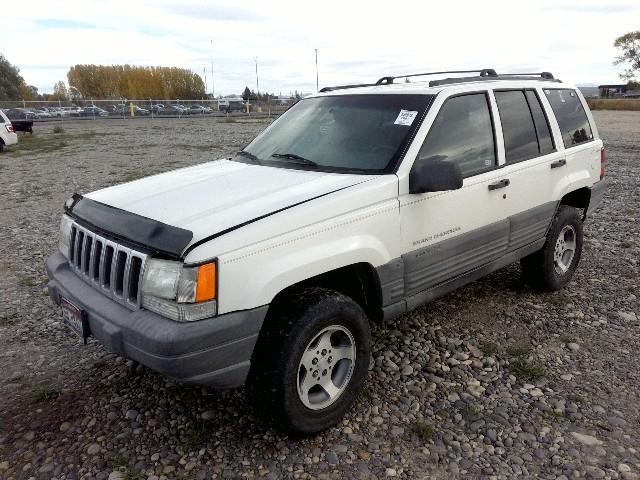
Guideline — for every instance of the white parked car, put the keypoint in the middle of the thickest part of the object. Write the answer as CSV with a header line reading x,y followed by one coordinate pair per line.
x,y
7,135
358,204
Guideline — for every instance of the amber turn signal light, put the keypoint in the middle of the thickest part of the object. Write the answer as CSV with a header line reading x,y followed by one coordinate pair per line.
x,y
206,286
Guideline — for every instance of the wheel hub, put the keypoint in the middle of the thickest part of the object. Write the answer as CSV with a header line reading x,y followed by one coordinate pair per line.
x,y
564,250
326,367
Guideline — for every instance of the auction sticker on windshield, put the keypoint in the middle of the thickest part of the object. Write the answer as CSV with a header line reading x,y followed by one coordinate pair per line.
x,y
405,117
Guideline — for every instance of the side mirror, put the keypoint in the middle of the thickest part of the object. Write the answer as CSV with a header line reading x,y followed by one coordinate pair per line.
x,y
434,176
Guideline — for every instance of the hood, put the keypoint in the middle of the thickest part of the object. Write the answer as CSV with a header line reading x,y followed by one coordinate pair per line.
x,y
213,197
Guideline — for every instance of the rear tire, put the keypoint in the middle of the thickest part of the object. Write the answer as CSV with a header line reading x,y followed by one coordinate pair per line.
x,y
552,267
311,360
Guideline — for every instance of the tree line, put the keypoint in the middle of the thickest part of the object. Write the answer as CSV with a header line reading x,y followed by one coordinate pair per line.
x,y
130,81
251,95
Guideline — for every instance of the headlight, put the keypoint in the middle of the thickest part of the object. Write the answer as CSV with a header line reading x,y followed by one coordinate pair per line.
x,y
161,278
64,242
181,293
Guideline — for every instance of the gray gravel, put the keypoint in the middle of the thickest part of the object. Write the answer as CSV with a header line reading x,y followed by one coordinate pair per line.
x,y
492,381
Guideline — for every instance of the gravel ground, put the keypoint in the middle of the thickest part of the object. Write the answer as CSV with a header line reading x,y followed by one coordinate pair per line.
x,y
492,381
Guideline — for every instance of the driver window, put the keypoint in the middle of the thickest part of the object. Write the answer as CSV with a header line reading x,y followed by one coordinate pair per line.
x,y
462,133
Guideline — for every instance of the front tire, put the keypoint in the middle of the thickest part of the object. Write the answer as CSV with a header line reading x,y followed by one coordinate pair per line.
x,y
552,267
311,359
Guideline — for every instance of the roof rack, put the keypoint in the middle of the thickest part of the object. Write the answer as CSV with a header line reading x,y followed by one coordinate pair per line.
x,y
483,74
542,76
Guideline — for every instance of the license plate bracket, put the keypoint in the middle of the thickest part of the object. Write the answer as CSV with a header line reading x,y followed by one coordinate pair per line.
x,y
75,319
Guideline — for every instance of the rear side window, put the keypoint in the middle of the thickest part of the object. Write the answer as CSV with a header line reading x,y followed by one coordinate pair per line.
x,y
571,116
520,140
462,133
2,118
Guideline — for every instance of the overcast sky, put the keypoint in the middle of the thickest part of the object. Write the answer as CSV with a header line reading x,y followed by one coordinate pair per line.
x,y
356,41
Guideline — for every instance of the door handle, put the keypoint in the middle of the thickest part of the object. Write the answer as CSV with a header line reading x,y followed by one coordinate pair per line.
x,y
559,163
501,184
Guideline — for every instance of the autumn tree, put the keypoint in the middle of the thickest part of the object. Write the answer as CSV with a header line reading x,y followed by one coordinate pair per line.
x,y
628,46
59,91
28,92
12,85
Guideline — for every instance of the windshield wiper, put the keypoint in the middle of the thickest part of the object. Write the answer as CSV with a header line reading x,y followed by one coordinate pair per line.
x,y
249,155
295,158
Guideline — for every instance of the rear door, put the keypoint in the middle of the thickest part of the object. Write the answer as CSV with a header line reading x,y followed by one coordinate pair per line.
x,y
531,160
578,135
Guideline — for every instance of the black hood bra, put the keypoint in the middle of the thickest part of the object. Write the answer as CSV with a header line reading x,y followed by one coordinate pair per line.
x,y
141,232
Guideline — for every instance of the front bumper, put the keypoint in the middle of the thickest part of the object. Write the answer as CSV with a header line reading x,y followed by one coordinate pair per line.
x,y
215,352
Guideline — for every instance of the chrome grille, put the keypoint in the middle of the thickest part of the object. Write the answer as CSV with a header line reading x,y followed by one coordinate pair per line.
x,y
112,268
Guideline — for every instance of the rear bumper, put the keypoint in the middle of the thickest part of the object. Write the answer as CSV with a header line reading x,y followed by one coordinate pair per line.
x,y
215,352
597,193
9,138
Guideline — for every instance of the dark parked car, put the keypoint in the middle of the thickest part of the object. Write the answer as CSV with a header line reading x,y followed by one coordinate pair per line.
x,y
20,114
172,110
93,111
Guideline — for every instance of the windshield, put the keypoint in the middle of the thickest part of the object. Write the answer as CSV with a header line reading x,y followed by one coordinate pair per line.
x,y
348,133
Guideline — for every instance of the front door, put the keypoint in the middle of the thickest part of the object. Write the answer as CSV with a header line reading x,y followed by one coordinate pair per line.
x,y
446,234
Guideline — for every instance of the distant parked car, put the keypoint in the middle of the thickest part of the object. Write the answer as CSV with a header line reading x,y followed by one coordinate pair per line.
x,y
125,110
93,111
184,110
119,109
58,112
138,111
7,135
231,105
42,112
198,110
20,114
73,111
172,110
156,108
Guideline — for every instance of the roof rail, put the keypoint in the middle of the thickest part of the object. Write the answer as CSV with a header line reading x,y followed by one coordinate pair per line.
x,y
342,87
484,72
545,75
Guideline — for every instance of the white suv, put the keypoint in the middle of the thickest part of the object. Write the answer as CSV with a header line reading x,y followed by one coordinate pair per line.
x,y
358,204
7,135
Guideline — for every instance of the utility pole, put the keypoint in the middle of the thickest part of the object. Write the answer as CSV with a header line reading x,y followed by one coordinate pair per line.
x,y
213,93
255,59
317,70
204,69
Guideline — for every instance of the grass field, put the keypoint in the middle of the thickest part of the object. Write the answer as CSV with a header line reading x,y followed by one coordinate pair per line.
x,y
614,104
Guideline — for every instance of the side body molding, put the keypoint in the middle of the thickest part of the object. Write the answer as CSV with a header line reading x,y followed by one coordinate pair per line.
x,y
429,272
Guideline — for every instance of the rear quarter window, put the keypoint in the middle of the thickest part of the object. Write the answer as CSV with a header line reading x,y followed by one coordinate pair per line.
x,y
571,117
